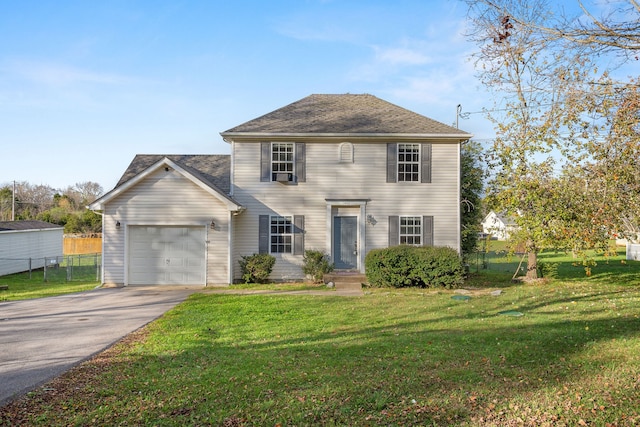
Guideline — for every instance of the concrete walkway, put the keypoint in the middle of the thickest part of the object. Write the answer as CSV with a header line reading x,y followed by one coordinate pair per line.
x,y
42,338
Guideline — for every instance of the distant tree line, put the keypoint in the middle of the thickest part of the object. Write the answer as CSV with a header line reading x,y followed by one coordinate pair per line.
x,y
65,207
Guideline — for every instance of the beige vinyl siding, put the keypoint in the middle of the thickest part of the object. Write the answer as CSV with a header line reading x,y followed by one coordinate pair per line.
x,y
328,178
24,249
165,198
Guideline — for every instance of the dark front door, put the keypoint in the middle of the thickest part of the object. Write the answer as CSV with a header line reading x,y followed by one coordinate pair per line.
x,y
345,242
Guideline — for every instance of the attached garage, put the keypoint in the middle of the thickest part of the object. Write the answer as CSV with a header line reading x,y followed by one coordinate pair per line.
x,y
169,221
167,255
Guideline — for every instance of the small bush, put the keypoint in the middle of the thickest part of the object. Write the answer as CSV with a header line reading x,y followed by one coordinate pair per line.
x,y
256,268
548,270
402,266
316,264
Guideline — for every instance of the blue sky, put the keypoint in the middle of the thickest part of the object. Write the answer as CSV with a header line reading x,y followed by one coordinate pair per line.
x,y
86,85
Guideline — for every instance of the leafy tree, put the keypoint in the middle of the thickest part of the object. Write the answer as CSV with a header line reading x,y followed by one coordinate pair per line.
x,y
88,192
561,113
618,31
611,155
472,178
6,202
31,200
66,208
92,222
534,79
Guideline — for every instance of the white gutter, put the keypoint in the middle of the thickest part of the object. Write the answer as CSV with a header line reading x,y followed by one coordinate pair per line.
x,y
228,137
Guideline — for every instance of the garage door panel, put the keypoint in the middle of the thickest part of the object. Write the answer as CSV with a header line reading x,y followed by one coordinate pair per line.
x,y
169,255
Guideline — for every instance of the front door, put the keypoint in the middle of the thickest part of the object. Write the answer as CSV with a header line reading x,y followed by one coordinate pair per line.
x,y
345,242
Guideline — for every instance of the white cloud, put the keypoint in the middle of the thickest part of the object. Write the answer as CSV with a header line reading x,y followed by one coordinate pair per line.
x,y
56,74
328,33
400,56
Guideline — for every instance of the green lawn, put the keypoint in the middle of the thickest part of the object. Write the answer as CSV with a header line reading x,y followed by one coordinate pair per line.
x,y
499,259
391,357
33,285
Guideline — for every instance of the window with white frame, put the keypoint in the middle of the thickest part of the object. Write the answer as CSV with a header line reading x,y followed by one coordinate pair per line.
x,y
411,230
282,161
408,162
281,234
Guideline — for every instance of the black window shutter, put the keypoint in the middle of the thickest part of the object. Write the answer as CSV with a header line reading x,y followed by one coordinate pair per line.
x,y
394,230
265,161
300,159
426,163
427,230
392,162
298,234
263,234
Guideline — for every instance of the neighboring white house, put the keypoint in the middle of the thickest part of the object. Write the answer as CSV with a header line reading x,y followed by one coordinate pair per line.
x,y
339,173
498,225
26,245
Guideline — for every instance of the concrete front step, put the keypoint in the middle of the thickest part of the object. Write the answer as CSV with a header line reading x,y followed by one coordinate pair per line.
x,y
346,280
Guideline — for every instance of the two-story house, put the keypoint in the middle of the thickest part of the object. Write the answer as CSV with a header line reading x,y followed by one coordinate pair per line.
x,y
338,173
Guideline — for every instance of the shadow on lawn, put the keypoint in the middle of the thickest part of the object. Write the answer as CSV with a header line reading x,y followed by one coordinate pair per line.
x,y
389,367
451,366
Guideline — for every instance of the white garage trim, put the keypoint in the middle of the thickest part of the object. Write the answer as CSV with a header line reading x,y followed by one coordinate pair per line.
x,y
166,254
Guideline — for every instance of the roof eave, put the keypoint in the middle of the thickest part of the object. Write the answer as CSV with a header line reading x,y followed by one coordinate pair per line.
x,y
230,136
98,205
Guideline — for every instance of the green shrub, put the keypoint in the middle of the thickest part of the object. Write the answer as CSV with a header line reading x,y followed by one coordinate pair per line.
x,y
548,270
316,264
402,266
256,268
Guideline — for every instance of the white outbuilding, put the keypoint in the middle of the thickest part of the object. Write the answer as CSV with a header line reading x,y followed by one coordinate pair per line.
x,y
26,245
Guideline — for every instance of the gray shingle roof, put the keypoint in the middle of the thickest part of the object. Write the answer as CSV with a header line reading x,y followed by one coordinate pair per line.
x,y
348,113
26,225
212,169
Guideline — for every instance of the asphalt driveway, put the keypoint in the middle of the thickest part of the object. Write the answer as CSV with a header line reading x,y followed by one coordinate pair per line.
x,y
42,338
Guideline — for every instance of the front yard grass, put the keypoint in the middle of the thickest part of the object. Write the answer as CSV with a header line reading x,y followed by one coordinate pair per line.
x,y
390,357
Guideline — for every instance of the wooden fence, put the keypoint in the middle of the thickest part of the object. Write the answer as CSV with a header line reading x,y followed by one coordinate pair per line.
x,y
82,245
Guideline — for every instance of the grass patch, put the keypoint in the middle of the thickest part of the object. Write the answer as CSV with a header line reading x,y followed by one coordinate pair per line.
x,y
32,285
602,268
391,357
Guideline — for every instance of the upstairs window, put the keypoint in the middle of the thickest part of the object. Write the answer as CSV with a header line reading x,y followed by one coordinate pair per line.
x,y
283,162
408,162
411,230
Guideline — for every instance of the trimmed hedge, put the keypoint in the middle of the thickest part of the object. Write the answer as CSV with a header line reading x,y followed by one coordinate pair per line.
x,y
417,266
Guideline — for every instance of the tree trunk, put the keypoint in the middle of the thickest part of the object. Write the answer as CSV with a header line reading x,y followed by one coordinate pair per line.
x,y
532,265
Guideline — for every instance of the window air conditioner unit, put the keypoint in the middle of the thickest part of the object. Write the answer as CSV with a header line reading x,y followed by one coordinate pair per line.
x,y
284,177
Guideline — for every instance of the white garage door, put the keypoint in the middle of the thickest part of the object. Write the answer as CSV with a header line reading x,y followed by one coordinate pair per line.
x,y
166,255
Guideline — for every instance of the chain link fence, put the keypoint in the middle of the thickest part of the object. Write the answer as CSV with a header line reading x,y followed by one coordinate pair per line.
x,y
493,255
69,268
495,261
